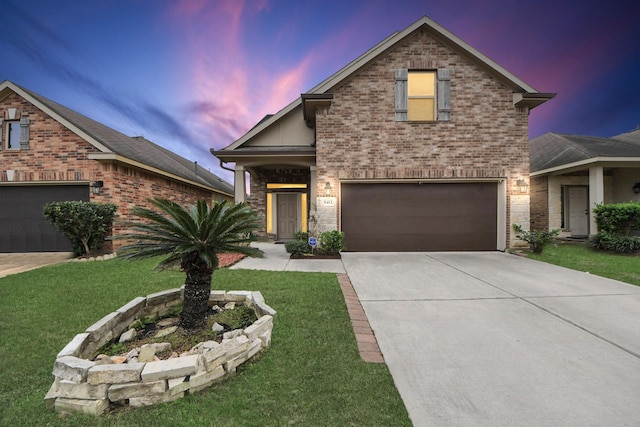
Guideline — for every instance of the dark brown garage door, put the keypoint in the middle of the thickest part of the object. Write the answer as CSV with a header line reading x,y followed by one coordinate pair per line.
x,y
23,227
420,217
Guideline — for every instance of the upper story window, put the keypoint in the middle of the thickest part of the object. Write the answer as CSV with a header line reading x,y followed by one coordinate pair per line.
x,y
14,134
423,95
421,104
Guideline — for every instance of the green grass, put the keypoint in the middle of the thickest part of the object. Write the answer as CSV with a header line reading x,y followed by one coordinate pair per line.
x,y
625,268
311,375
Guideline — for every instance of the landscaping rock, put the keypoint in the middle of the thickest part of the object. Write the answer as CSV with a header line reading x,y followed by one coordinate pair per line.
x,y
173,368
147,353
115,374
128,336
128,391
216,327
65,405
166,331
72,368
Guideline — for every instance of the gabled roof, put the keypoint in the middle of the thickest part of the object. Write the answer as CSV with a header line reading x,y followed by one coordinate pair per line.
x,y
526,93
553,151
114,145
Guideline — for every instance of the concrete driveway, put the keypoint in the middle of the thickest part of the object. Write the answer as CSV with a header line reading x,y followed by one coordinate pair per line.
x,y
494,339
12,263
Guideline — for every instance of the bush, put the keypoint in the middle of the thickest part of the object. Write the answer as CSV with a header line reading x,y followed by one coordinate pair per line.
x,y
86,224
297,247
332,242
613,243
301,235
537,239
618,218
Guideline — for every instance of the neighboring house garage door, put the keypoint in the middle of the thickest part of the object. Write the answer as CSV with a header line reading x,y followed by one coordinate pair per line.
x,y
23,227
420,217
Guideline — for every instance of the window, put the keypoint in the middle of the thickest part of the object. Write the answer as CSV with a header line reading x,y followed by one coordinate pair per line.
x,y
13,135
423,95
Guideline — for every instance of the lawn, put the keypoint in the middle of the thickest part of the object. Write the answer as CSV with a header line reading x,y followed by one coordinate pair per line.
x,y
311,375
625,268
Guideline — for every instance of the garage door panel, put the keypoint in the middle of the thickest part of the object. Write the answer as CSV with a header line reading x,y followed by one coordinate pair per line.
x,y
23,227
413,217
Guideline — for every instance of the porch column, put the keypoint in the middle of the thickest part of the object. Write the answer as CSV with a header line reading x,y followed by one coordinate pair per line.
x,y
596,194
239,184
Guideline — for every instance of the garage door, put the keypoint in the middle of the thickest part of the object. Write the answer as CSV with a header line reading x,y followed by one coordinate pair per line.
x,y
420,217
23,227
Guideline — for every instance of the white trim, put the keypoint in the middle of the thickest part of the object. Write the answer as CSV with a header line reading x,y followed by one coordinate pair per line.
x,y
501,235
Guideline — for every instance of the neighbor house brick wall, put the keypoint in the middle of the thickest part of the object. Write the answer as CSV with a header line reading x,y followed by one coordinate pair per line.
x,y
539,203
487,137
57,155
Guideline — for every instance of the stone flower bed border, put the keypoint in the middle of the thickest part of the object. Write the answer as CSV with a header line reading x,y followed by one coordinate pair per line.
x,y
82,385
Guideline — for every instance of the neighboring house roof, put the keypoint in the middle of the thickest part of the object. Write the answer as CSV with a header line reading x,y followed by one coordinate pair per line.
x,y
114,145
525,93
553,151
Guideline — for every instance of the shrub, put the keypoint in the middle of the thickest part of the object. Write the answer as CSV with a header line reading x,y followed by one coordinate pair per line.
x,y
618,218
297,247
613,243
301,235
332,242
537,239
86,224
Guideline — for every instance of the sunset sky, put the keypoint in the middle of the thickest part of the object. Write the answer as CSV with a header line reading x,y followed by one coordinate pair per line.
x,y
192,75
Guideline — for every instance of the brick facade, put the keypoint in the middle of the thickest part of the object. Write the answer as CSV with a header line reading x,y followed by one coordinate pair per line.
x,y
487,137
56,155
539,203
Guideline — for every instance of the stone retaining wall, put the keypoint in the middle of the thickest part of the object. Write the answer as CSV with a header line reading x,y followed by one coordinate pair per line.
x,y
82,385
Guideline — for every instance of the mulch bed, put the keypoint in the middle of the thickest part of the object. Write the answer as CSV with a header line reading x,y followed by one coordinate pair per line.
x,y
228,259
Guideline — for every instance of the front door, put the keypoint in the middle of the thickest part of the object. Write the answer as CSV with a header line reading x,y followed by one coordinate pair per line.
x,y
287,215
579,210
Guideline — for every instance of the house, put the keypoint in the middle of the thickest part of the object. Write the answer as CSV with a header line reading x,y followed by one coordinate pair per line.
x,y
51,153
571,174
419,144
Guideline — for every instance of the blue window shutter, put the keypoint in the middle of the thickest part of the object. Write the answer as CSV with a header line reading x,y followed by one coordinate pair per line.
x,y
401,95
444,94
24,134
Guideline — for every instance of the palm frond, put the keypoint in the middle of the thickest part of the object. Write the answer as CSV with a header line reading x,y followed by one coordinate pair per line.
x,y
177,233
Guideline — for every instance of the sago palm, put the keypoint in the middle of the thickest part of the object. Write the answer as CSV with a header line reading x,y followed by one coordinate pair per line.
x,y
191,238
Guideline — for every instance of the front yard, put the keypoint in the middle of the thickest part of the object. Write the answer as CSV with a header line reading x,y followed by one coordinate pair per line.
x,y
625,268
311,375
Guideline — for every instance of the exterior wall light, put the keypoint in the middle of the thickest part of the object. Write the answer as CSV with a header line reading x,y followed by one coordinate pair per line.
x,y
636,187
522,186
327,188
96,187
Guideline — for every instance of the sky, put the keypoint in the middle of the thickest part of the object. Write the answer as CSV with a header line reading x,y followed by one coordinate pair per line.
x,y
191,75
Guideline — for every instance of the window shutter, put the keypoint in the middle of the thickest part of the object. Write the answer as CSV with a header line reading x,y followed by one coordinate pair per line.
x,y
444,94
401,95
24,134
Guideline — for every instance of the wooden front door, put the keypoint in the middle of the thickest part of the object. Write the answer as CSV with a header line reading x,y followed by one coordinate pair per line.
x,y
287,215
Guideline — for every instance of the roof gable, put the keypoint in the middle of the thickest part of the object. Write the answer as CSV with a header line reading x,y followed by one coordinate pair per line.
x,y
118,146
524,91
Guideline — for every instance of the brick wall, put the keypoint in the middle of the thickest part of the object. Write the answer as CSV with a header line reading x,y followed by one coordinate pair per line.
x,y
487,137
539,203
56,155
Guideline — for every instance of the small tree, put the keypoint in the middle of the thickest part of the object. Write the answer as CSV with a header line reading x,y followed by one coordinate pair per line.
x,y
192,238
86,224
